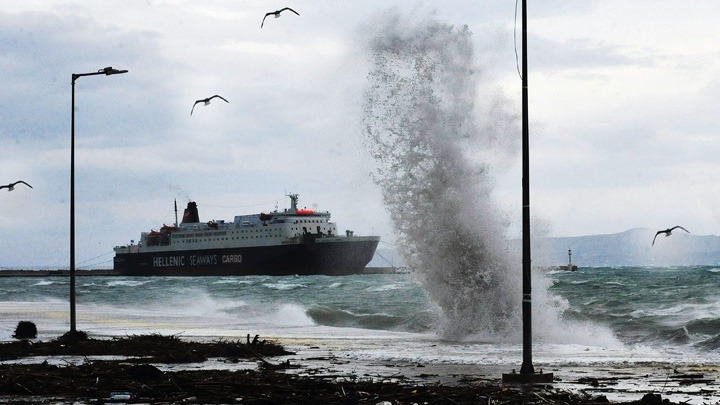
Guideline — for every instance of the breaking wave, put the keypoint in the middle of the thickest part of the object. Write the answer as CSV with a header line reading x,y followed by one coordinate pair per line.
x,y
428,137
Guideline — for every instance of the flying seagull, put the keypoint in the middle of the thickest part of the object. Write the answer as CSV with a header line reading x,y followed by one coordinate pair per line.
x,y
276,14
668,232
207,101
11,186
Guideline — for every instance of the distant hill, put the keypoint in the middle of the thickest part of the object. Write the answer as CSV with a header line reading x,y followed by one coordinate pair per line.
x,y
630,248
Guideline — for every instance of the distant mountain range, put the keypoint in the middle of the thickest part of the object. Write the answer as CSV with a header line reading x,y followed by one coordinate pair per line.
x,y
630,248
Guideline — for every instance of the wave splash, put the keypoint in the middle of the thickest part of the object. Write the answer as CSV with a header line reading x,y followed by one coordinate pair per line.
x,y
431,144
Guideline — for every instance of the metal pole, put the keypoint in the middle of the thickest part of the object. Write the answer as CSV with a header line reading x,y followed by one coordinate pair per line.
x,y
527,371
106,71
527,367
72,210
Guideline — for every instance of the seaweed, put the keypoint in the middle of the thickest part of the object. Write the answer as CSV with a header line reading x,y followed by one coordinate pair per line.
x,y
135,379
152,347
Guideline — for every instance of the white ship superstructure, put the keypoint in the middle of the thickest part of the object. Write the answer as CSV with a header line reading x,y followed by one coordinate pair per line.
x,y
250,244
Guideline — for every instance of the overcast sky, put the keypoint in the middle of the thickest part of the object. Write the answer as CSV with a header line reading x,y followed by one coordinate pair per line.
x,y
624,116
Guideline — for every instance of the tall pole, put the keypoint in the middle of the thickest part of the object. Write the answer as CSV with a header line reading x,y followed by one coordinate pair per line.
x,y
106,71
527,366
73,329
527,371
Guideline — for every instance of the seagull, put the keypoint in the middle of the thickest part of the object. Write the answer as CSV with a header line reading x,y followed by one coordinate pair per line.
x,y
276,14
668,232
207,101
11,186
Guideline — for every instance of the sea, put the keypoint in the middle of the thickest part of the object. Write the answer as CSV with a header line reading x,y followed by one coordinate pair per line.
x,y
627,319
669,314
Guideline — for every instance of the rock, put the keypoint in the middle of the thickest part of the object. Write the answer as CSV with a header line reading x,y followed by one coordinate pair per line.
x,y
25,330
651,398
144,373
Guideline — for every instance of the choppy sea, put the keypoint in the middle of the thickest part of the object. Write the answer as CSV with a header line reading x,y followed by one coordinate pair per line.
x,y
603,314
642,324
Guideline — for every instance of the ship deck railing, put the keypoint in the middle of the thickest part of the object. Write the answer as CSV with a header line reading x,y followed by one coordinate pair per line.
x,y
127,249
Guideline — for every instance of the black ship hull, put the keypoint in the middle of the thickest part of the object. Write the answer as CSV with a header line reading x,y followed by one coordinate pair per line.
x,y
321,256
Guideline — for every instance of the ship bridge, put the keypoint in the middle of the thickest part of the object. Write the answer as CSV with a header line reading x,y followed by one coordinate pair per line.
x,y
290,226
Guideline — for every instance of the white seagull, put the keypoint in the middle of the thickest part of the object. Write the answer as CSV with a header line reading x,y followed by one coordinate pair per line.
x,y
668,232
207,101
276,14
11,186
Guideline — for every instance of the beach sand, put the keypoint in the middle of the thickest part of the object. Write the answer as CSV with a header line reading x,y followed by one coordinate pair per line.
x,y
314,373
618,382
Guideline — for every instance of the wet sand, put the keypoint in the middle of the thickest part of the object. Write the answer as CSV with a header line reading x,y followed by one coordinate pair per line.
x,y
238,373
619,383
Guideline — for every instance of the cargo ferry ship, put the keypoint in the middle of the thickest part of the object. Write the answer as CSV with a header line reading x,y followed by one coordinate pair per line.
x,y
288,242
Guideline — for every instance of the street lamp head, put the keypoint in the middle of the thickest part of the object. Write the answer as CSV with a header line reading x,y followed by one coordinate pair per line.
x,y
110,71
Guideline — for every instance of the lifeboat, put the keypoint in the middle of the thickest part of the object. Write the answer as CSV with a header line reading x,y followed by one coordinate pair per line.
x,y
305,211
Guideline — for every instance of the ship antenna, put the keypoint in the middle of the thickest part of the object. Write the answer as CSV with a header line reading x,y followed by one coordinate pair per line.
x,y
176,222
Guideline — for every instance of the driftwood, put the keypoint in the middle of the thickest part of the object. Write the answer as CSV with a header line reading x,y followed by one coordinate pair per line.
x,y
99,380
154,347
136,380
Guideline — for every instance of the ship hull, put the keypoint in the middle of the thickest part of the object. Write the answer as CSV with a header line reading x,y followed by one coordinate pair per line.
x,y
325,256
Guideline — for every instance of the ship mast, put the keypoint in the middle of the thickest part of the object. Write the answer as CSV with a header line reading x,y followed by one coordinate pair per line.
x,y
293,202
176,221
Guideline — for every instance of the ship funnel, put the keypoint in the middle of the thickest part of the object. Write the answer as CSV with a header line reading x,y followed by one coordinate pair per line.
x,y
191,213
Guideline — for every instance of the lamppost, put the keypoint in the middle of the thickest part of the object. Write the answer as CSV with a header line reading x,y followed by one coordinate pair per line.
x,y
107,72
527,373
